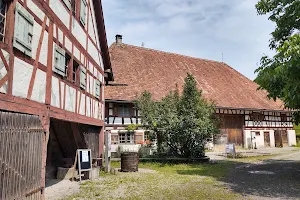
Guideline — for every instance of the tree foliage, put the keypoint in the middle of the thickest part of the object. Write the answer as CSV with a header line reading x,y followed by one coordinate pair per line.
x,y
181,124
279,74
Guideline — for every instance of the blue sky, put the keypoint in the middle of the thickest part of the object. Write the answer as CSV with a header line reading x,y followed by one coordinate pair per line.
x,y
198,28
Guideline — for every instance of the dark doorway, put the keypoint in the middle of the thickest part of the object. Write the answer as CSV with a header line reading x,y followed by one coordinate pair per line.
x,y
267,139
281,138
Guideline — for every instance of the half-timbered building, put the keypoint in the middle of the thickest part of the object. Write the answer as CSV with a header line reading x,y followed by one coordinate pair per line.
x,y
248,117
53,62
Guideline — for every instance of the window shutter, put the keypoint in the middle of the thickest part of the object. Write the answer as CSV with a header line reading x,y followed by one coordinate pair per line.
x,y
23,30
67,3
82,77
83,11
59,61
97,90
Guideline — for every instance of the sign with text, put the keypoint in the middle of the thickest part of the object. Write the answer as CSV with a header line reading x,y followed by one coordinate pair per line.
x,y
230,148
84,160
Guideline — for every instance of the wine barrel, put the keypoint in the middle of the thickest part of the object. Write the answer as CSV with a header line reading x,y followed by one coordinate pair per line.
x,y
129,162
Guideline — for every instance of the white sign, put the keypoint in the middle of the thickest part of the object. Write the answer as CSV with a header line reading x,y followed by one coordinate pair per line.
x,y
85,156
230,148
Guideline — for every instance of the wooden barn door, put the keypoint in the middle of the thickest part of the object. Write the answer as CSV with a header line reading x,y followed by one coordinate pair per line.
x,y
21,138
232,127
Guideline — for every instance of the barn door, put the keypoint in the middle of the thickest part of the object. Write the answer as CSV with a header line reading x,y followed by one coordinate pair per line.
x,y
21,138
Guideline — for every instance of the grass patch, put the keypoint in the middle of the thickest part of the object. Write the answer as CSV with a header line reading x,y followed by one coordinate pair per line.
x,y
166,181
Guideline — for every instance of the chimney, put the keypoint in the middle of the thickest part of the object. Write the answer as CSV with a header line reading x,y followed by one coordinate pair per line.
x,y
118,39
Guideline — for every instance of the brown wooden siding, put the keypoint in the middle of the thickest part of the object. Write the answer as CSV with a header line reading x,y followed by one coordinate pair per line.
x,y
231,129
21,140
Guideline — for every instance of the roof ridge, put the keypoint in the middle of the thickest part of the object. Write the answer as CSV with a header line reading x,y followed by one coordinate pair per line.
x,y
166,52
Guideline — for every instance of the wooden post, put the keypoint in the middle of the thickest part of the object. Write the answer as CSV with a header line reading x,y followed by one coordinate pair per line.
x,y
107,151
45,120
101,145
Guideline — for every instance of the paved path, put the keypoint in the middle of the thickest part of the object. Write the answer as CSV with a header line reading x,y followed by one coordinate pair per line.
x,y
275,178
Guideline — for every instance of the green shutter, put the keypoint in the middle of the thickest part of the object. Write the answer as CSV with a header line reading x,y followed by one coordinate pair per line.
x,y
23,30
59,63
83,12
82,77
98,86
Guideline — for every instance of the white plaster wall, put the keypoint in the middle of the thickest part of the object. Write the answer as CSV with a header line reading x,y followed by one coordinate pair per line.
x,y
90,67
60,36
37,29
21,79
82,58
92,50
78,32
92,86
62,92
3,71
82,104
55,101
38,12
101,61
76,53
68,44
88,106
39,87
96,114
44,50
272,138
70,98
60,11
94,34
291,134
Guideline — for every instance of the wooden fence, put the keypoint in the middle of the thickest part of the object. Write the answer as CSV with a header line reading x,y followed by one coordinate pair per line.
x,y
21,138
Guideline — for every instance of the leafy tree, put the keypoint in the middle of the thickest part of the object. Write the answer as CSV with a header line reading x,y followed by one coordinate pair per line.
x,y
279,74
181,124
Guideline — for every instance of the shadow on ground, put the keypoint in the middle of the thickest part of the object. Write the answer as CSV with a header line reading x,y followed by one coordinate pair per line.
x,y
271,179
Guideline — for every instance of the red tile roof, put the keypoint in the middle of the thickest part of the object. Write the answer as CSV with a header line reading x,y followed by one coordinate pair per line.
x,y
137,69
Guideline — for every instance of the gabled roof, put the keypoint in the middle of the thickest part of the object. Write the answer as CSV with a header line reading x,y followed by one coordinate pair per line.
x,y
137,69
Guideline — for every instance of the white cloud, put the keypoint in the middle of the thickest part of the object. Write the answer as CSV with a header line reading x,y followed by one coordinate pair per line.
x,y
200,28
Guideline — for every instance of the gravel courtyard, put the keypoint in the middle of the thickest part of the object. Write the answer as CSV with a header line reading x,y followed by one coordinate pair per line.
x,y
263,177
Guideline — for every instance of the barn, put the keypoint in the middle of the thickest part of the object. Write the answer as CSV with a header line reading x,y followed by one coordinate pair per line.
x,y
248,118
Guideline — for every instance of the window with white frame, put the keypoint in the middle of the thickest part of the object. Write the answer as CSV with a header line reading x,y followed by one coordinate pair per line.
x,y
23,30
126,138
3,7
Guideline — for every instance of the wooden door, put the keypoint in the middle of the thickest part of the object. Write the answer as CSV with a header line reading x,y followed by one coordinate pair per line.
x,y
21,146
284,138
278,138
267,139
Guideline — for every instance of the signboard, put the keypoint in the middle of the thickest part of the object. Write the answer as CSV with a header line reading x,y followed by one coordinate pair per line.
x,y
84,160
230,148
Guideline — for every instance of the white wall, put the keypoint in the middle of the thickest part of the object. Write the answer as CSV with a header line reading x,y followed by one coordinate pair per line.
x,y
291,134
259,139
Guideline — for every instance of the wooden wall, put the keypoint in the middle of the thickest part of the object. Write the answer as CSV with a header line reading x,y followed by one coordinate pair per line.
x,y
231,129
21,141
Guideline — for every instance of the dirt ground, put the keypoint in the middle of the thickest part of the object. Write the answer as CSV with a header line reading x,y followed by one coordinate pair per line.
x,y
58,189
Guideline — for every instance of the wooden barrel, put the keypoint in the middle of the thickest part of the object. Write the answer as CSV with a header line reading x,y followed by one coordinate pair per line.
x,y
129,162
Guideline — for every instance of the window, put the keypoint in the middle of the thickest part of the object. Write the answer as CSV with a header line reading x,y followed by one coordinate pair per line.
x,y
98,89
82,77
23,30
74,72
124,110
283,117
60,61
114,139
83,9
126,138
258,117
2,18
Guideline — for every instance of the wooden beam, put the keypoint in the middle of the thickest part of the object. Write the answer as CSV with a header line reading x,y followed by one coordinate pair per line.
x,y
49,64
